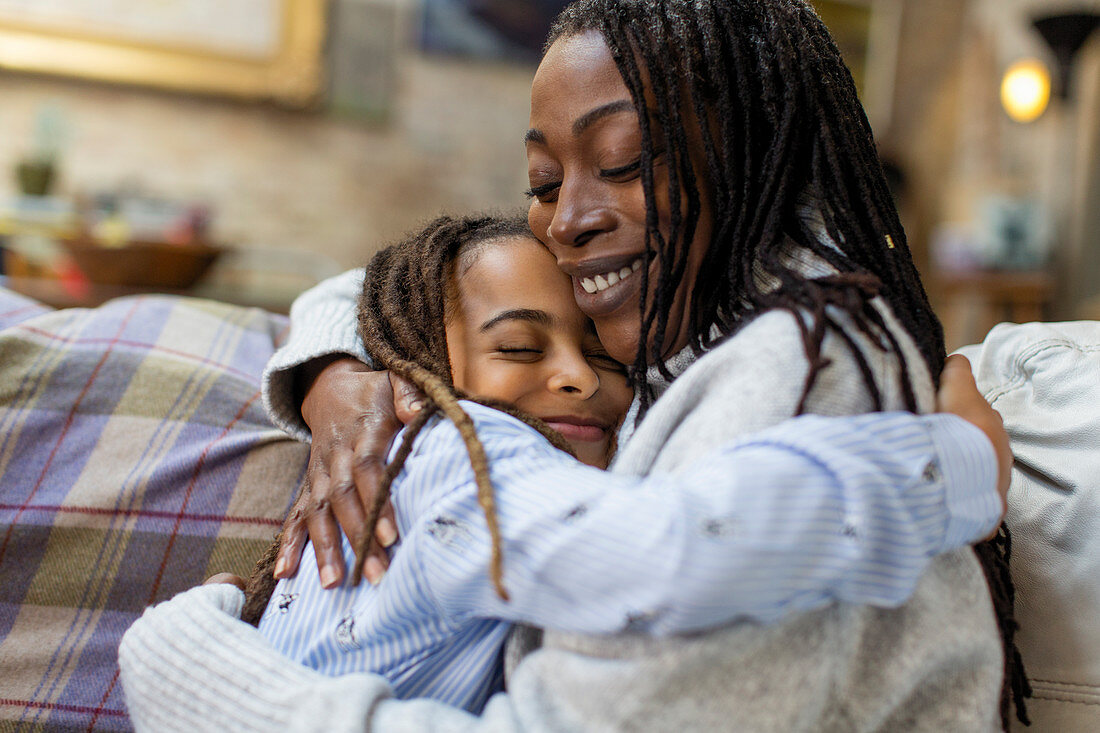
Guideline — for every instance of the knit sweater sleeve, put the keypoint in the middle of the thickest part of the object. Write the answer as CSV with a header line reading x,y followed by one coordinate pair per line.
x,y
189,665
323,322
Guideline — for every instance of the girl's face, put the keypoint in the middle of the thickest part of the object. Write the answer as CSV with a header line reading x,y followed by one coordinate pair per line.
x,y
515,334
587,202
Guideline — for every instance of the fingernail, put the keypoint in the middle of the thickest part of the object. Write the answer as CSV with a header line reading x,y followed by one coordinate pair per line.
x,y
280,568
374,571
386,532
416,405
328,576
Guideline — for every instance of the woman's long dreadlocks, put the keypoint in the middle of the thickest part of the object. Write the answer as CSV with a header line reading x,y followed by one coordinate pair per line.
x,y
763,86
408,295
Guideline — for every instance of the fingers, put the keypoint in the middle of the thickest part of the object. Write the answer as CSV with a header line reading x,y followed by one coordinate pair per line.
x,y
326,538
228,578
293,541
959,394
348,507
368,471
958,390
408,400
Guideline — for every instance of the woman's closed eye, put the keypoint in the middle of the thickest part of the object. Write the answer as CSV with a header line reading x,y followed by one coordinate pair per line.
x,y
622,173
603,360
543,192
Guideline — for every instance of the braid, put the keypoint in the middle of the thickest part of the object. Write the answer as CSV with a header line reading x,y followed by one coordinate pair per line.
x,y
764,86
402,315
403,311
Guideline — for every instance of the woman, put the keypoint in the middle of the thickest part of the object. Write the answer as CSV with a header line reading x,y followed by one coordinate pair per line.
x,y
720,146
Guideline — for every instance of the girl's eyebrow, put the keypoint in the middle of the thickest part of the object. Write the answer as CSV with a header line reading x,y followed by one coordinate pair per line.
x,y
530,315
586,120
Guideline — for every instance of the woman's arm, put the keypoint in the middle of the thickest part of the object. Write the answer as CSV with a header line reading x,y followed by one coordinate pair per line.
x,y
188,664
323,325
320,387
786,520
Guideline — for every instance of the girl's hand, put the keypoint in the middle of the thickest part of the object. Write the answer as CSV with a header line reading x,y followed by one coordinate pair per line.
x,y
958,394
353,413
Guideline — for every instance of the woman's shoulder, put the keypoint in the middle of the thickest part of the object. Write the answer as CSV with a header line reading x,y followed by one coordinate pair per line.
x,y
770,357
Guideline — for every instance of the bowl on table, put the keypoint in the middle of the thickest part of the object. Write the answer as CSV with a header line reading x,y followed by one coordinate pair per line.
x,y
143,264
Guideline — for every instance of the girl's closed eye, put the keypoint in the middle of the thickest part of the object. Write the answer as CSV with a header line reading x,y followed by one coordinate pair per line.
x,y
518,352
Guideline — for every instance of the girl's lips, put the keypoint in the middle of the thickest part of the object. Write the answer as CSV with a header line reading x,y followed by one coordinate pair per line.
x,y
585,431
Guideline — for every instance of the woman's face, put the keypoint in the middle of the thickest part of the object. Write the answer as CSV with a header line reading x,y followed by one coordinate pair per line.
x,y
587,202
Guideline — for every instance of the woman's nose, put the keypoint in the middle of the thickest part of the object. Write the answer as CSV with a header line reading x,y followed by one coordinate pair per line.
x,y
578,215
574,376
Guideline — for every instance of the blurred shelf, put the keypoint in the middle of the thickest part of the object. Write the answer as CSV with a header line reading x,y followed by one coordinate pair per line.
x,y
973,302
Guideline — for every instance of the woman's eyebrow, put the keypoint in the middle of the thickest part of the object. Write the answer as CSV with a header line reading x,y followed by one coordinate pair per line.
x,y
593,116
585,121
530,315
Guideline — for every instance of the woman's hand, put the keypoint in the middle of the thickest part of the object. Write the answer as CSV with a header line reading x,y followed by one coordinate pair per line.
x,y
353,413
227,578
959,395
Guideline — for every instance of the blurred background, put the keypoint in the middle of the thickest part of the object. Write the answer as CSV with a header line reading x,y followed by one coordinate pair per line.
x,y
245,149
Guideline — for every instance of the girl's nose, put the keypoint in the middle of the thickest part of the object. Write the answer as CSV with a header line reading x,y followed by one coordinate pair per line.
x,y
574,376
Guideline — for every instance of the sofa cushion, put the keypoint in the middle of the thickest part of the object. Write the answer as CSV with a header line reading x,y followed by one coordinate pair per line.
x,y
1044,379
135,460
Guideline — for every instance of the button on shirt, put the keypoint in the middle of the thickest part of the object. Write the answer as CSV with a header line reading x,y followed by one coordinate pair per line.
x,y
791,519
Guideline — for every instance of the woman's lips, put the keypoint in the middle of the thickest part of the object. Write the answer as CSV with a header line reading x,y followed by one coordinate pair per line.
x,y
579,429
599,293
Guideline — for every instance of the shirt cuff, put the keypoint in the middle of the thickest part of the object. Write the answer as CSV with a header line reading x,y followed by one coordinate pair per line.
x,y
967,464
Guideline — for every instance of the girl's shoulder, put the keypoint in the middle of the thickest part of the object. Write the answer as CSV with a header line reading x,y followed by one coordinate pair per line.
x,y
499,433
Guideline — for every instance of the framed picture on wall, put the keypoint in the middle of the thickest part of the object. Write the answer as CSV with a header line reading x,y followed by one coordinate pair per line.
x,y
250,49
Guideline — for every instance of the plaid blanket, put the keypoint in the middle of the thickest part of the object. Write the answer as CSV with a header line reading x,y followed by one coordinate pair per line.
x,y
135,461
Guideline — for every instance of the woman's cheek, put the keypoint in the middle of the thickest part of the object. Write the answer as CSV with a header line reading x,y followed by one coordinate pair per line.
x,y
619,334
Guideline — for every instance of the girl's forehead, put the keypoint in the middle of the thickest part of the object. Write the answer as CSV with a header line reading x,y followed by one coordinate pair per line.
x,y
516,272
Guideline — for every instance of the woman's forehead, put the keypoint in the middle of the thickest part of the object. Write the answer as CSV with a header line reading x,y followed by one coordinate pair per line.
x,y
577,72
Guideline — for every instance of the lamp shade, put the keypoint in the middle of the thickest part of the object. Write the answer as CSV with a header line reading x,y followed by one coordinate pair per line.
x,y
1066,34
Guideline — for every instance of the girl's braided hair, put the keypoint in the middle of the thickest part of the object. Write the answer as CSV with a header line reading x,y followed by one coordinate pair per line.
x,y
409,293
763,86
408,296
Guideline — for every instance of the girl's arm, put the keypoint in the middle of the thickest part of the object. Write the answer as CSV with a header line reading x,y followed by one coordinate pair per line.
x,y
787,520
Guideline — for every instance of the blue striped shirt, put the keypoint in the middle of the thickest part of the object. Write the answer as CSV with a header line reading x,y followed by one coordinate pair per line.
x,y
804,514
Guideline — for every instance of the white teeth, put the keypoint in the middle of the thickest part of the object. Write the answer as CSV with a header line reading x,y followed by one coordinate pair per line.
x,y
599,283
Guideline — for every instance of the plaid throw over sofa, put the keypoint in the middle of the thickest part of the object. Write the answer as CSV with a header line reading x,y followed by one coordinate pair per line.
x,y
135,461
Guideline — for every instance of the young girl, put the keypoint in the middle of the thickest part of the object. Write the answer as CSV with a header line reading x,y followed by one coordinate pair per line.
x,y
469,307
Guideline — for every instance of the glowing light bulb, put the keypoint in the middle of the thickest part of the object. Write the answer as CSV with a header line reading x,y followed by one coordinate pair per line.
x,y
1025,90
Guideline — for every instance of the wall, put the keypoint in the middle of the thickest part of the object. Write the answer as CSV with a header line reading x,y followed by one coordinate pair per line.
x,y
293,180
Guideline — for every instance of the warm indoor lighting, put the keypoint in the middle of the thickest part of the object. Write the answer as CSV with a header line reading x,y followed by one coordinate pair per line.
x,y
1025,90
